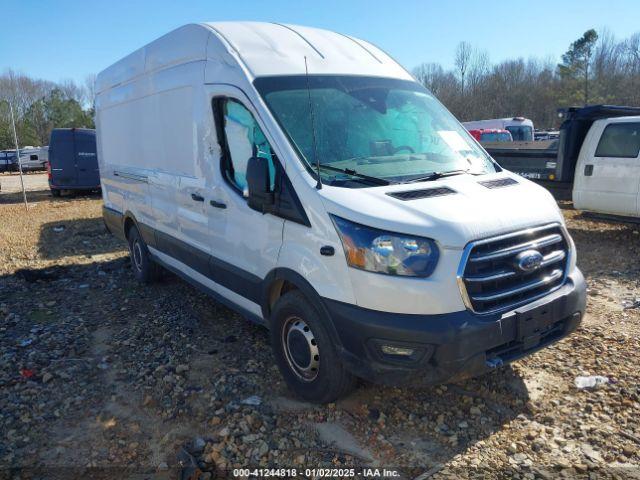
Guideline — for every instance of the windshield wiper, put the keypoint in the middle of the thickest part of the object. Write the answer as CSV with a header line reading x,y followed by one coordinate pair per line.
x,y
353,173
437,175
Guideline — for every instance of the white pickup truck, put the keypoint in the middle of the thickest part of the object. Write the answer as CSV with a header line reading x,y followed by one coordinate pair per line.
x,y
607,175
596,160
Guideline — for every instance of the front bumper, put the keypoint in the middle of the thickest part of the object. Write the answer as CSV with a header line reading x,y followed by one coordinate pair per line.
x,y
456,345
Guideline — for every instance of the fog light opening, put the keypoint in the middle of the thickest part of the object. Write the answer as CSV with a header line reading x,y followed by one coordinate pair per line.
x,y
397,351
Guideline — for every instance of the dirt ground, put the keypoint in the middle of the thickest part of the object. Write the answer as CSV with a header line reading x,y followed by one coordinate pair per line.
x,y
101,377
10,182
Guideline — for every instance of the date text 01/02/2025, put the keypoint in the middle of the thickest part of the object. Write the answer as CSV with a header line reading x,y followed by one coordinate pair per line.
x,y
316,472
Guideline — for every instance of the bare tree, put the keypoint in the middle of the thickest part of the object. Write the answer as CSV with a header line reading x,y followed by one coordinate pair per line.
x,y
462,60
632,66
72,91
431,75
90,89
34,101
22,90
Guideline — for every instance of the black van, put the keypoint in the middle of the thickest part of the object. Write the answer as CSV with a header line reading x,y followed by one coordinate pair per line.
x,y
73,163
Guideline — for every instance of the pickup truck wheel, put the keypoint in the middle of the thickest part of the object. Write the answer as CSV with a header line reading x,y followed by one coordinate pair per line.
x,y
144,268
305,352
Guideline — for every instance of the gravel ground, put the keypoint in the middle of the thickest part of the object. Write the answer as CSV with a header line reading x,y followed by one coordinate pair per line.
x,y
103,378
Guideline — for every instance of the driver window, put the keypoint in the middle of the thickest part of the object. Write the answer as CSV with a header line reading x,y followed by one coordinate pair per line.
x,y
244,139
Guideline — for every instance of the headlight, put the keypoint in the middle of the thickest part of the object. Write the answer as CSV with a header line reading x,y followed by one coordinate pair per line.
x,y
380,251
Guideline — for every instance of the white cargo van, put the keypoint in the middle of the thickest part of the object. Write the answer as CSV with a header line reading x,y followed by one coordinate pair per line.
x,y
346,209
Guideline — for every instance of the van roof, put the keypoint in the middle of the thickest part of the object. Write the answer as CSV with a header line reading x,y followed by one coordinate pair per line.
x,y
66,134
260,49
77,130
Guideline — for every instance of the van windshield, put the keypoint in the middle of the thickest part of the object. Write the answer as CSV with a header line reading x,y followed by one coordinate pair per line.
x,y
384,128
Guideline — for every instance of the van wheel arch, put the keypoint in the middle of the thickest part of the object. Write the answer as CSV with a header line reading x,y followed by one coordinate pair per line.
x,y
283,280
129,220
126,227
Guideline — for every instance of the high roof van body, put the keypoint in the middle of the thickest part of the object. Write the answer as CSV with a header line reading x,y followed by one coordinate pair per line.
x,y
305,179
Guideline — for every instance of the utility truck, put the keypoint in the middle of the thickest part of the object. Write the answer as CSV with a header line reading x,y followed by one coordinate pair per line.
x,y
306,180
595,162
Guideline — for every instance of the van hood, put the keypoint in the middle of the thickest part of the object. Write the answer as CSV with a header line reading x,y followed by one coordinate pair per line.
x,y
473,211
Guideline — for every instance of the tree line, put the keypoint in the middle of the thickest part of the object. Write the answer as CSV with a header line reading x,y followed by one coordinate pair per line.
x,y
596,68
40,106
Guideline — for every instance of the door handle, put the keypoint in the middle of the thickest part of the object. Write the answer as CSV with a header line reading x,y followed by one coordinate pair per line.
x,y
213,203
197,198
588,170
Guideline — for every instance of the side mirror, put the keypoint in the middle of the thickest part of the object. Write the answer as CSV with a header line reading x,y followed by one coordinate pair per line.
x,y
259,185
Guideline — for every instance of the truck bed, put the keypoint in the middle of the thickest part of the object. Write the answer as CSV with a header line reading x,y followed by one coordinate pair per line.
x,y
533,160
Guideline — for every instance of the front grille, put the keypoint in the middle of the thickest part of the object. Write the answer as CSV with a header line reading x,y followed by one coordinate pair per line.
x,y
491,280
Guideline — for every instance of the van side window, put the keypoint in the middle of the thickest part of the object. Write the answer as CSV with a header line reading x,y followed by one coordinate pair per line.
x,y
620,140
244,139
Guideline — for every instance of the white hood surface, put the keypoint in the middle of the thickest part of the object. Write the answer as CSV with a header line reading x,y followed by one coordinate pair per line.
x,y
471,213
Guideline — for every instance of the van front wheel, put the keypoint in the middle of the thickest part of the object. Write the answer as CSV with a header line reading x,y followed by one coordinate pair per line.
x,y
305,352
144,268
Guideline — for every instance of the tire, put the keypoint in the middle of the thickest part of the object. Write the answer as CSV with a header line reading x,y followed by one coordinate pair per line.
x,y
144,268
55,192
305,353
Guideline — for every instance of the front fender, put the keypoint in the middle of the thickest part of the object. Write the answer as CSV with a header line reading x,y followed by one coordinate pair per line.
x,y
327,274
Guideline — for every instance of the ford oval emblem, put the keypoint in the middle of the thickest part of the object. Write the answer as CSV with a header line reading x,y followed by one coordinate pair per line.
x,y
529,260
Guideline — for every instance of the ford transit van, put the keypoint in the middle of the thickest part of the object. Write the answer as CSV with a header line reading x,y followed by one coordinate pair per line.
x,y
72,160
305,179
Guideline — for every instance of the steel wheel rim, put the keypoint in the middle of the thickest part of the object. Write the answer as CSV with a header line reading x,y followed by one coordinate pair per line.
x,y
300,349
136,251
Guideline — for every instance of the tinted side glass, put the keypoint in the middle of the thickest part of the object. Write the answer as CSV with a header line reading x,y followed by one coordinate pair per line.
x,y
244,139
521,134
621,140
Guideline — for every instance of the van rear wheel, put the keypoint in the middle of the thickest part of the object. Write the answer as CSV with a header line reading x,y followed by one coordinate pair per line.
x,y
144,268
305,353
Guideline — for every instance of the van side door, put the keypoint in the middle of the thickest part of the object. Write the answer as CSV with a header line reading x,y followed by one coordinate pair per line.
x,y
244,243
607,177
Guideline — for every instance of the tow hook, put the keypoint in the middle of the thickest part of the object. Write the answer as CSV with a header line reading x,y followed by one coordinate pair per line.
x,y
494,362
